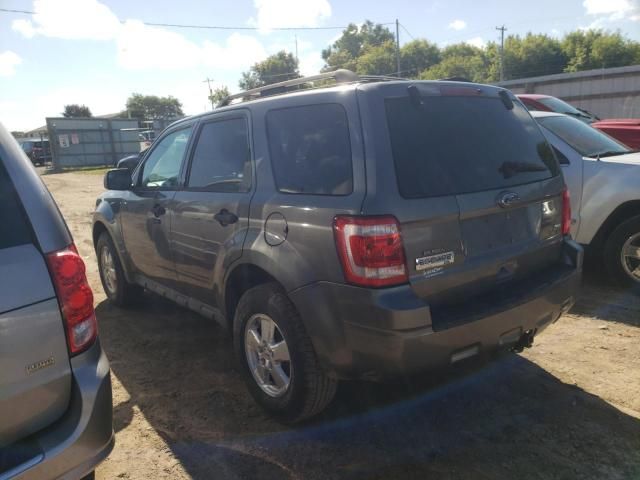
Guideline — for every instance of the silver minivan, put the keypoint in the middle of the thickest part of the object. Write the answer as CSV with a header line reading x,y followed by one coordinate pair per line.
x,y
55,389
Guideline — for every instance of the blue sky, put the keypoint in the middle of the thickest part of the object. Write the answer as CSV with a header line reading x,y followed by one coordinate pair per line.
x,y
97,52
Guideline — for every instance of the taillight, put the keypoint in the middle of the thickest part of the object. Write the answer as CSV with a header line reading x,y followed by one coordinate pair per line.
x,y
566,212
371,251
75,297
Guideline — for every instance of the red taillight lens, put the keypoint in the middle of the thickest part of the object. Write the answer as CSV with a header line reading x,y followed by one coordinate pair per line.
x,y
371,251
566,212
75,297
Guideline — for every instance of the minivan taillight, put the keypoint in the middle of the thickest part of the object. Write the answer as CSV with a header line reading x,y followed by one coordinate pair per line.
x,y
75,297
566,212
371,251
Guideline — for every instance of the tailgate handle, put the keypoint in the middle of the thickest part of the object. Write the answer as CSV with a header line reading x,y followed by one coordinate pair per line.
x,y
506,199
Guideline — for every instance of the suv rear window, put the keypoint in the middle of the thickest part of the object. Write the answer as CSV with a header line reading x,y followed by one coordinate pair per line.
x,y
310,149
15,229
462,144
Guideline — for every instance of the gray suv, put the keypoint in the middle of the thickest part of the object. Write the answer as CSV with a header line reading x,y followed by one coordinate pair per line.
x,y
369,229
55,389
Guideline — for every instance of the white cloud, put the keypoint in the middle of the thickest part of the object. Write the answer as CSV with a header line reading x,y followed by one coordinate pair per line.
x,y
70,19
289,13
477,42
8,62
614,10
458,25
310,63
138,46
142,47
239,51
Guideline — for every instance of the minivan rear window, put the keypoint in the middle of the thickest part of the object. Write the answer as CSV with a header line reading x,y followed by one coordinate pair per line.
x,y
460,144
14,229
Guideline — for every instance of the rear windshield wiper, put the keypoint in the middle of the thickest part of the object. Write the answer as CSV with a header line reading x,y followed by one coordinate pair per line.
x,y
510,169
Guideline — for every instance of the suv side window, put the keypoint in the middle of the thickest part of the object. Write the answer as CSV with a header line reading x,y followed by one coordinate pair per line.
x,y
222,160
162,166
562,158
15,227
310,149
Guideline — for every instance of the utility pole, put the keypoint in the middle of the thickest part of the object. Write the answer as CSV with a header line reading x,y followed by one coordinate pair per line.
x,y
397,48
502,30
208,82
296,38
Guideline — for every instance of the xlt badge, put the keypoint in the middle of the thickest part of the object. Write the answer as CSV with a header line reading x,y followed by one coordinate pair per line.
x,y
434,261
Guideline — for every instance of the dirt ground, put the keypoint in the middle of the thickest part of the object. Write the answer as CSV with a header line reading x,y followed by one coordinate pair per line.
x,y
567,408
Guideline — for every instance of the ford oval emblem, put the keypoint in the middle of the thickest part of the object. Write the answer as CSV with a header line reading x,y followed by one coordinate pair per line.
x,y
506,199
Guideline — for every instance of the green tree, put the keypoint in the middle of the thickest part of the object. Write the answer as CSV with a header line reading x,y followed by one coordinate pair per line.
x,y
533,55
218,95
586,50
377,59
74,110
418,55
354,42
460,60
275,68
152,107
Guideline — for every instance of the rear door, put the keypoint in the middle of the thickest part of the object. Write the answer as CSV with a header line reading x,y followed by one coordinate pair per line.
x,y
211,213
35,375
479,193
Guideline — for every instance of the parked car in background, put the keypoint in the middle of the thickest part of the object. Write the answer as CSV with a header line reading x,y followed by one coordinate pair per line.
x,y
625,130
55,390
603,176
336,239
38,151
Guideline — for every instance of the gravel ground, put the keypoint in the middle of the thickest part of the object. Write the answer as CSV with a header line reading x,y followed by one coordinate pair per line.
x,y
567,408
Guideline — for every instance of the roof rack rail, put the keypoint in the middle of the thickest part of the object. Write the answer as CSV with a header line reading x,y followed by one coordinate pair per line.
x,y
339,76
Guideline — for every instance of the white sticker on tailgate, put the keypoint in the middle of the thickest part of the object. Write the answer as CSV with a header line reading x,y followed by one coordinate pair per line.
x,y
434,261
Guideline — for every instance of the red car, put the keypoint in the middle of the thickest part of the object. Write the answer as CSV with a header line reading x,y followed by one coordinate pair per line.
x,y
626,130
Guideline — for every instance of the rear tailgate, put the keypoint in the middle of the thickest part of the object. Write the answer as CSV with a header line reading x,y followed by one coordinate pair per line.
x,y
35,378
480,197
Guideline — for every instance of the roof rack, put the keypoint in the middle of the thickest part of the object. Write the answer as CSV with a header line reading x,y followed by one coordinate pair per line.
x,y
340,76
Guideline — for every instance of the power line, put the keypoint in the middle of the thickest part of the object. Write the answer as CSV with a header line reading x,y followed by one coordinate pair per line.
x,y
208,27
407,32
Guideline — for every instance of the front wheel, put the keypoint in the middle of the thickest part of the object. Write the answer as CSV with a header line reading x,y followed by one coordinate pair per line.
x,y
277,358
622,252
114,282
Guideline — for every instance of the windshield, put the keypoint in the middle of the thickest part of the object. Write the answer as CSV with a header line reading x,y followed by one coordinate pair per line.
x,y
560,106
457,144
586,140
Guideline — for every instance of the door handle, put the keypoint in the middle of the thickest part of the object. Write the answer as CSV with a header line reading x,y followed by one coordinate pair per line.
x,y
158,210
225,217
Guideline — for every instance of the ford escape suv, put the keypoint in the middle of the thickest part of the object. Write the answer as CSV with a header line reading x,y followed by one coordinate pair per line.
x,y
55,390
366,230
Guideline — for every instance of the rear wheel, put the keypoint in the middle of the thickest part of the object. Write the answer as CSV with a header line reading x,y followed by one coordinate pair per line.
x,y
114,282
277,358
622,252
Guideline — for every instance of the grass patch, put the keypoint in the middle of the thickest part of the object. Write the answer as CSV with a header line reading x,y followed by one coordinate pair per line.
x,y
98,170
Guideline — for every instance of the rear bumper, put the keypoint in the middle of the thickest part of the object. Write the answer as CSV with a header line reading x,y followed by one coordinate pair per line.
x,y
378,334
74,445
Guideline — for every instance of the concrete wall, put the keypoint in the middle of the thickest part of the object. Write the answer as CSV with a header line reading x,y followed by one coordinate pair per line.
x,y
609,93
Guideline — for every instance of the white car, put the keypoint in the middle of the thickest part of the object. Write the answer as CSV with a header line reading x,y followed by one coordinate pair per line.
x,y
603,177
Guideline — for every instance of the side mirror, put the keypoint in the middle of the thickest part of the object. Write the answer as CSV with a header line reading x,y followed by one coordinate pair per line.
x,y
119,179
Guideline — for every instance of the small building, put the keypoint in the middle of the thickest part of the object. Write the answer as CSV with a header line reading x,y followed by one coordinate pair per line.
x,y
607,92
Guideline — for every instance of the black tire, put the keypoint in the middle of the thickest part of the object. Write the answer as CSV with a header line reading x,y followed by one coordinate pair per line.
x,y
310,389
612,254
125,293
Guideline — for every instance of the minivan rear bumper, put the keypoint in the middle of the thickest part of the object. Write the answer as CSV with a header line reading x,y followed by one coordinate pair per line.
x,y
373,334
75,444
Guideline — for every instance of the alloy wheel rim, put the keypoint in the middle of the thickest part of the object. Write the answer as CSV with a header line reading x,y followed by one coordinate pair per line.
x,y
267,355
630,257
108,270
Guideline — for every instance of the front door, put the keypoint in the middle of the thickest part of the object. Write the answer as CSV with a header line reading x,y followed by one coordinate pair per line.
x,y
211,213
146,214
